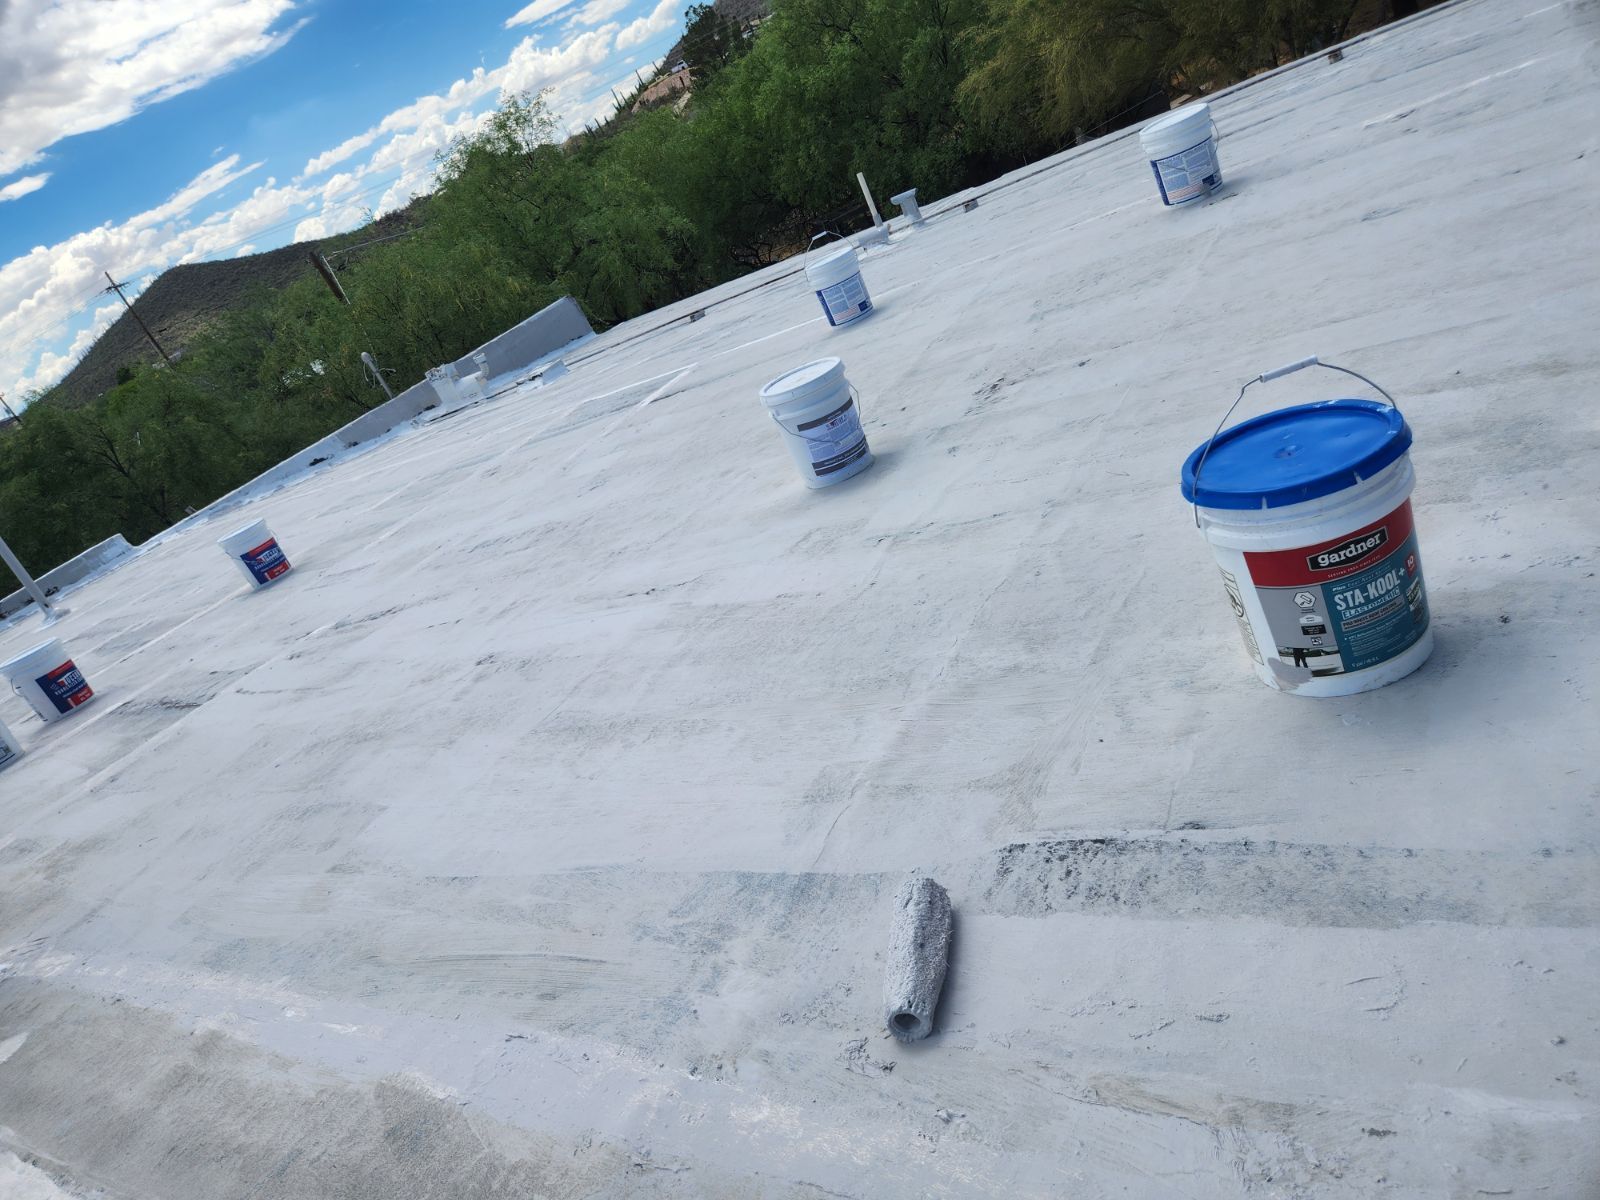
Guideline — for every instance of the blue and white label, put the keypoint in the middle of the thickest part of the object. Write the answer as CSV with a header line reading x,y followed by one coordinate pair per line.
x,y
836,440
1189,174
65,687
266,562
845,301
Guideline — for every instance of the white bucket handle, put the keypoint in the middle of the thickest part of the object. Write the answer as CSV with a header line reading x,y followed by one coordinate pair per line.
x,y
1268,377
805,259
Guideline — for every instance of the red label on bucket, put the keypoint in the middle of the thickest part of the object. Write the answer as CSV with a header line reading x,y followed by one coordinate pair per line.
x,y
1332,560
65,686
1346,604
266,562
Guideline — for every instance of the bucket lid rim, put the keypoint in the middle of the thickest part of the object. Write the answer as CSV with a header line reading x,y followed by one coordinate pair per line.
x,y
261,521
1355,439
1167,122
830,365
27,654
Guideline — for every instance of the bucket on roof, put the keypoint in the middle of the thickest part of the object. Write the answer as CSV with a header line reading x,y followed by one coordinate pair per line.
x,y
48,680
816,409
10,748
256,552
1308,512
1181,148
835,277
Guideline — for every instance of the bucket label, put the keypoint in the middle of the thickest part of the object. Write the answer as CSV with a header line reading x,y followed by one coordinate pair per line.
x,y
8,752
1189,174
1236,602
266,562
1343,605
836,440
845,301
65,686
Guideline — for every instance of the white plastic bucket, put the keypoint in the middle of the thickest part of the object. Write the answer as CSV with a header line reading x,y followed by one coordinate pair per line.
x,y
836,279
816,409
10,748
48,680
1308,513
255,551
1181,148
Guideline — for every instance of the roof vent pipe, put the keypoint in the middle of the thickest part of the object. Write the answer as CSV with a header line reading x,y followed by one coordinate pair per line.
x,y
907,200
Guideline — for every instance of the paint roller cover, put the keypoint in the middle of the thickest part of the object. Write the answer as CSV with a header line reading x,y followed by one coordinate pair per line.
x,y
919,952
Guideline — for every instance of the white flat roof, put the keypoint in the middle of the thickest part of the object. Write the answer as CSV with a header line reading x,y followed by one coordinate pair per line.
x,y
535,836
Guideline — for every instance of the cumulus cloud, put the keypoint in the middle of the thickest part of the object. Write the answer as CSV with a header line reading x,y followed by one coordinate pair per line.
x,y
53,366
346,149
463,93
73,66
596,11
532,69
19,188
537,11
662,18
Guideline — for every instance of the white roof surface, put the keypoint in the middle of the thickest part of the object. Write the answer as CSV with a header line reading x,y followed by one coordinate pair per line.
x,y
535,836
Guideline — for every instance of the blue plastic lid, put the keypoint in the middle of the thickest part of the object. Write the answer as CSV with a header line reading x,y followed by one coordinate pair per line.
x,y
1297,454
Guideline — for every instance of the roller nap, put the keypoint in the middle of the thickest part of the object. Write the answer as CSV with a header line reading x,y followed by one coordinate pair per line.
x,y
919,952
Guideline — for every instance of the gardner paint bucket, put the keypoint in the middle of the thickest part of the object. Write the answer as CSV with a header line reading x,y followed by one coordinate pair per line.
x,y
836,279
48,680
256,552
1308,512
10,748
816,409
1181,148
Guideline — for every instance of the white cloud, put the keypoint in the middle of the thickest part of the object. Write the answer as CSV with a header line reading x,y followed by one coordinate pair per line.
x,y
537,11
530,69
345,149
19,188
596,11
463,93
662,18
53,366
72,66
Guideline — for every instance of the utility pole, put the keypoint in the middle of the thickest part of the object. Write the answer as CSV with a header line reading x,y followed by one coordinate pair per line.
x,y
328,277
373,371
11,412
117,288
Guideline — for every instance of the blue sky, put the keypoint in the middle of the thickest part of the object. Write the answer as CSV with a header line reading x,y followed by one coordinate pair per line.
x,y
136,134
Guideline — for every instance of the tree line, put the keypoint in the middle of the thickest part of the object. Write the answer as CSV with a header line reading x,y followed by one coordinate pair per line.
x,y
644,210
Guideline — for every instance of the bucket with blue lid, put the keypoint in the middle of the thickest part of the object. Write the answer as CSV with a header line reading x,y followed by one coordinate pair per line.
x,y
1308,513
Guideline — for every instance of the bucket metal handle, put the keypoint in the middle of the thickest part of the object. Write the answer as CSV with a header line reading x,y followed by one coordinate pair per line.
x,y
805,259
1268,377
861,417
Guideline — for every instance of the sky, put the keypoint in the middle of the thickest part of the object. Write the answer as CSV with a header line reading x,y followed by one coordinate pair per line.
x,y
139,134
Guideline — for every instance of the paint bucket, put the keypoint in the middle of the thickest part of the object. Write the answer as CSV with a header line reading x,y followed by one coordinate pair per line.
x,y
836,279
48,680
255,552
1308,512
816,408
10,748
1181,148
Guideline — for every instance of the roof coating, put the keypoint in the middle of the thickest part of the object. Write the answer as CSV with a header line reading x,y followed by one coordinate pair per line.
x,y
538,833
